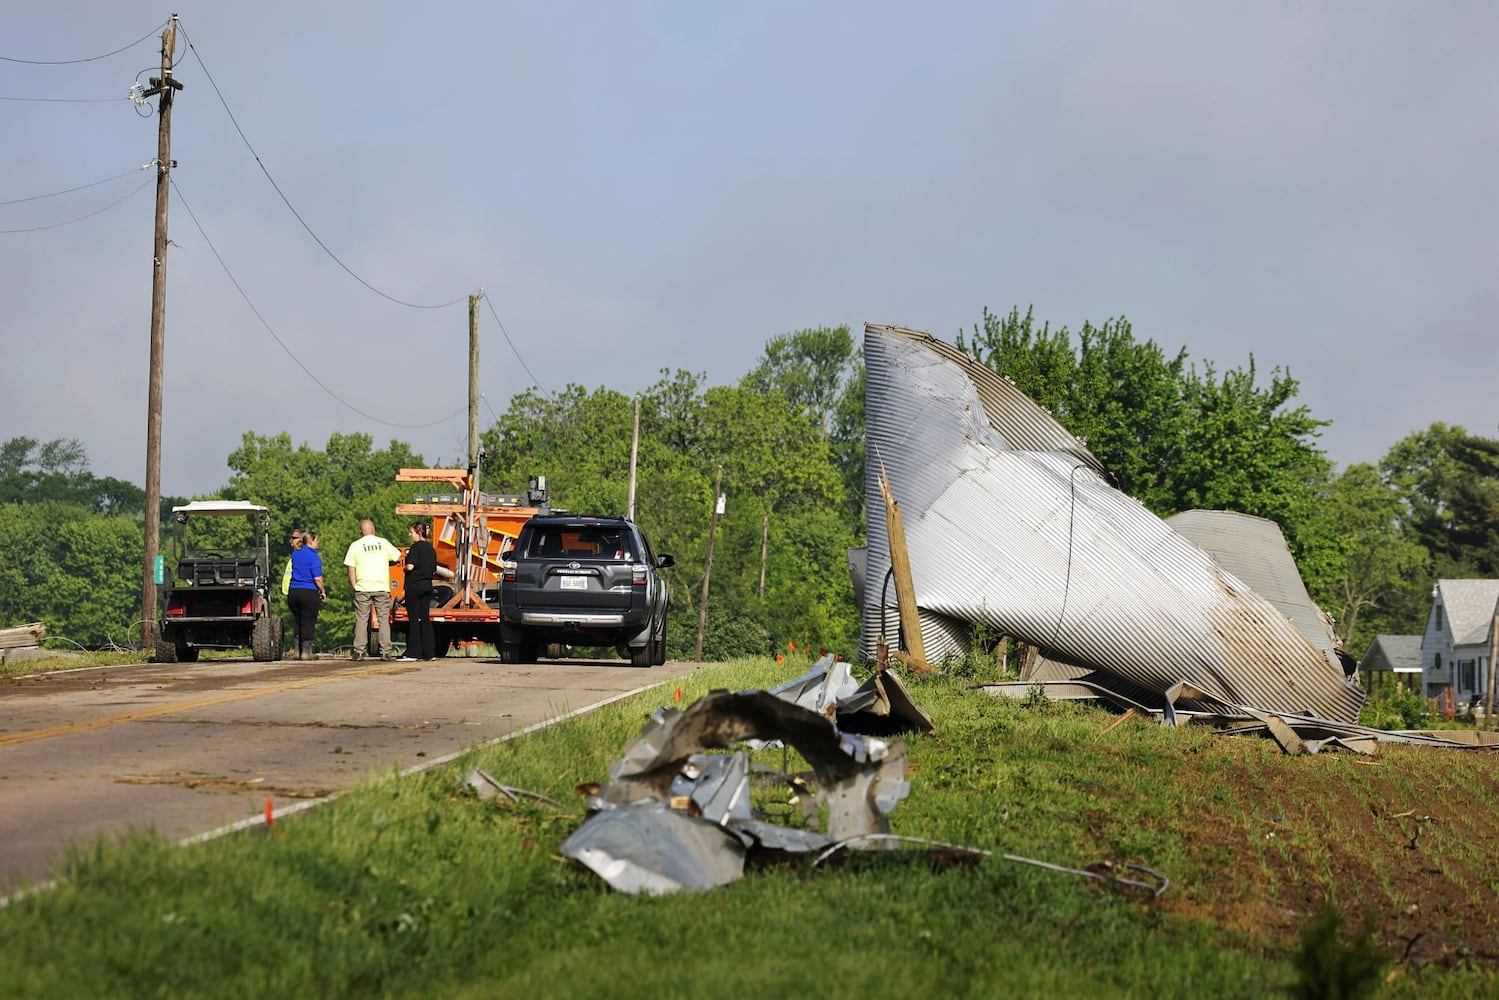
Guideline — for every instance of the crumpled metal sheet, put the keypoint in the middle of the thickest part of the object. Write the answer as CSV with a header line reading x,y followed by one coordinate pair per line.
x,y
881,706
647,847
859,782
1011,522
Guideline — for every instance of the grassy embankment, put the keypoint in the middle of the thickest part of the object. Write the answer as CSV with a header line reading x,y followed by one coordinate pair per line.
x,y
411,888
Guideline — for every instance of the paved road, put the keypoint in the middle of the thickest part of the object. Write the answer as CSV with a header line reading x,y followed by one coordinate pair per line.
x,y
188,748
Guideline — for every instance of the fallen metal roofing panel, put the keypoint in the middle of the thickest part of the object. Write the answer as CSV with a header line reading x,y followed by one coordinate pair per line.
x,y
1254,550
1010,523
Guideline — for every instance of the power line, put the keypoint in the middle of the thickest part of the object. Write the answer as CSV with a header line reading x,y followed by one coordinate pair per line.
x,y
69,62
287,201
67,100
54,194
57,225
276,337
515,350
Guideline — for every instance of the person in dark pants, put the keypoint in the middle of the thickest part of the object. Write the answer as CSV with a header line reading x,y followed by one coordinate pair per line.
x,y
421,564
306,592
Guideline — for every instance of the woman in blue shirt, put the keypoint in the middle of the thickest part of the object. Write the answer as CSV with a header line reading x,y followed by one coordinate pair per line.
x,y
307,592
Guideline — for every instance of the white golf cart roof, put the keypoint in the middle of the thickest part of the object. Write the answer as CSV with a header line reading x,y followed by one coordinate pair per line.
x,y
220,507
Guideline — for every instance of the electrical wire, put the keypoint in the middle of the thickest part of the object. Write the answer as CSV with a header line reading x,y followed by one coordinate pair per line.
x,y
317,239
70,62
57,225
67,100
281,343
54,194
515,350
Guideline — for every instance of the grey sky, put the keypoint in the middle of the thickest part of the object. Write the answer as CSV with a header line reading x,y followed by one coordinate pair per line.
x,y
644,186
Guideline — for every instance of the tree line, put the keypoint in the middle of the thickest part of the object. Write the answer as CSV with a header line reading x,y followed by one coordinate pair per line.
x,y
786,444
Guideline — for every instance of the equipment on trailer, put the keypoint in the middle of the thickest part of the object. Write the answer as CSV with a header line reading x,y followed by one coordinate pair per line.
x,y
472,532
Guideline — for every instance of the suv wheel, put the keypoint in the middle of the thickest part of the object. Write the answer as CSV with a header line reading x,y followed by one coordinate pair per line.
x,y
509,652
645,656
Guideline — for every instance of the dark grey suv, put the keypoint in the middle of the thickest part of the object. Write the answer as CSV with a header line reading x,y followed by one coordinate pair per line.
x,y
583,581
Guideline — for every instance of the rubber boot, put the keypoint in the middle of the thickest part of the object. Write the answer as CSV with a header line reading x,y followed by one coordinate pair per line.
x,y
307,653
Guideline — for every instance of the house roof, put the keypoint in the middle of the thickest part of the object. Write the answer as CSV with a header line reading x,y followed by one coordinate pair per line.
x,y
1470,608
1393,652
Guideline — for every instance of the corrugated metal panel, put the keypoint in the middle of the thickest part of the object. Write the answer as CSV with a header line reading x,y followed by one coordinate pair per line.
x,y
1034,542
1254,550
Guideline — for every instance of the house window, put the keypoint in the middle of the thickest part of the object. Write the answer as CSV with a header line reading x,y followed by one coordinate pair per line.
x,y
1437,611
1466,675
1436,661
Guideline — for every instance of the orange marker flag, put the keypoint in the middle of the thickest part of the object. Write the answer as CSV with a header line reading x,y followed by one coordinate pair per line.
x,y
270,817
678,695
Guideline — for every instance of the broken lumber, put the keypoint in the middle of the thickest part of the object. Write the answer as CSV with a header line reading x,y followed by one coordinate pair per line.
x,y
23,635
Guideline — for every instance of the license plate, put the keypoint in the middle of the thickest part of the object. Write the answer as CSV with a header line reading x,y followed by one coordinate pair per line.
x,y
574,582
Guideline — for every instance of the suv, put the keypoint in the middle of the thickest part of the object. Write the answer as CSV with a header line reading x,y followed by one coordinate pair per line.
x,y
586,581
217,593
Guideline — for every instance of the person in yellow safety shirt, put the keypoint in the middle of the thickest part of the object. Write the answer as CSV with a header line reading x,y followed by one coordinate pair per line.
x,y
368,560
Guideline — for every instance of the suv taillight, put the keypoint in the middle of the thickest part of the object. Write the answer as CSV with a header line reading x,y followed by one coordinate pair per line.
x,y
507,571
637,574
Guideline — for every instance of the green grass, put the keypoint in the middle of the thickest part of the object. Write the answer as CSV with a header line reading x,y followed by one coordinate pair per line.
x,y
409,887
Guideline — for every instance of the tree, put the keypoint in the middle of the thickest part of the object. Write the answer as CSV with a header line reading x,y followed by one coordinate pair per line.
x,y
809,368
1174,438
58,470
1448,481
78,571
1361,561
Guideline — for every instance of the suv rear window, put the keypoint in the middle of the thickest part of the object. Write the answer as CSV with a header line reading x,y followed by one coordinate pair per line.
x,y
580,542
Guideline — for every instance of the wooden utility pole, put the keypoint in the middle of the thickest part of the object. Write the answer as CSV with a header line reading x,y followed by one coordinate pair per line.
x,y
473,379
702,604
764,550
634,451
166,87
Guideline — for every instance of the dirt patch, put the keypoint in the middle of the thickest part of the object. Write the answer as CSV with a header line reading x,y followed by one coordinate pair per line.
x,y
1397,842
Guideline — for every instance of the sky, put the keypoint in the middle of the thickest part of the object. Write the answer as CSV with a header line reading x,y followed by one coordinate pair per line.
x,y
645,186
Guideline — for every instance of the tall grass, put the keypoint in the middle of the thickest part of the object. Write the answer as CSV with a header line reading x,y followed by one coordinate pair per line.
x,y
413,887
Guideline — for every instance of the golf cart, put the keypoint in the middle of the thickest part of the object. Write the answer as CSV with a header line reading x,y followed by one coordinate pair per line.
x,y
217,582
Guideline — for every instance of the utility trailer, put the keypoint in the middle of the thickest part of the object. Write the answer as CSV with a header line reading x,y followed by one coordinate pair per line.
x,y
472,533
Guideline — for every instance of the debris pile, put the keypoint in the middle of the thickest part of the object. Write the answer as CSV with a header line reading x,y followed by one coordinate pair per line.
x,y
671,817
1011,523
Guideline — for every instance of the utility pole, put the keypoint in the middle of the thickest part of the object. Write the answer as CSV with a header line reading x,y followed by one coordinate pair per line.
x,y
473,379
165,86
634,451
764,550
702,604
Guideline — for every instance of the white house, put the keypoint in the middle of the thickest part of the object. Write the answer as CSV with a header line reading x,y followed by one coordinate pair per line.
x,y
1455,646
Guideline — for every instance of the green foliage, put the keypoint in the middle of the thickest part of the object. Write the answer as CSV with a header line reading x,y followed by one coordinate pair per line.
x,y
1388,707
58,471
1360,559
783,499
1449,482
1328,968
78,571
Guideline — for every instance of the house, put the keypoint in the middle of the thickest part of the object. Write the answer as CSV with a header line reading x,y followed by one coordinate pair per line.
x,y
1455,647
1392,660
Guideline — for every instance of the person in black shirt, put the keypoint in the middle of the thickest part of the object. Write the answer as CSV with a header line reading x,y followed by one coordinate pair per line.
x,y
421,563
